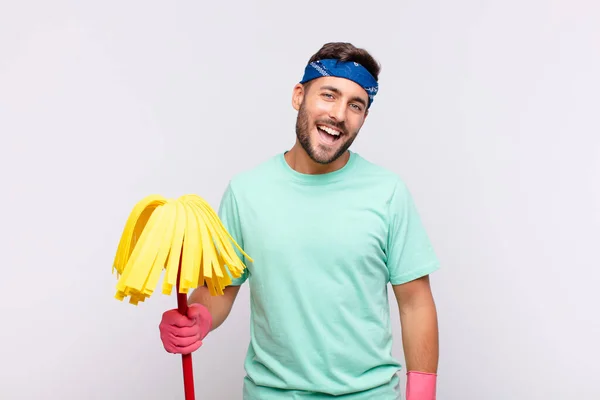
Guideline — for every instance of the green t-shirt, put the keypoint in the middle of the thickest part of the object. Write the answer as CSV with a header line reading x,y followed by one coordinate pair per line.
x,y
325,248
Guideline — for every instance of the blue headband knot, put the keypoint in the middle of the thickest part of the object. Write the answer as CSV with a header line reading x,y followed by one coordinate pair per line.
x,y
343,69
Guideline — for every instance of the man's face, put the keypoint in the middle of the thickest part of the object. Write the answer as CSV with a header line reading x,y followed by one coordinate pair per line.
x,y
331,112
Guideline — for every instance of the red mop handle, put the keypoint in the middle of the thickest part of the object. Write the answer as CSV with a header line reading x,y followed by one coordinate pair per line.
x,y
186,359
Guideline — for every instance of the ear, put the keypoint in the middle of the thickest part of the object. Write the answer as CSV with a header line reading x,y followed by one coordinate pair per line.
x,y
297,96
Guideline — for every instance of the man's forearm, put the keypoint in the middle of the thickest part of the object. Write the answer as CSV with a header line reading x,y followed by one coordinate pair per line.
x,y
219,307
420,335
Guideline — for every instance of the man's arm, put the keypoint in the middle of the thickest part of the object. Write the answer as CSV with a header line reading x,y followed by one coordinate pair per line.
x,y
219,307
183,334
418,317
411,259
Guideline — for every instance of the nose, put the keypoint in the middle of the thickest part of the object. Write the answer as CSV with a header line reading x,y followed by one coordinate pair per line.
x,y
337,111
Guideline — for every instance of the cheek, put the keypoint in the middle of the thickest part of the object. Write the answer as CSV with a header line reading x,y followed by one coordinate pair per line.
x,y
312,114
354,123
323,106
319,108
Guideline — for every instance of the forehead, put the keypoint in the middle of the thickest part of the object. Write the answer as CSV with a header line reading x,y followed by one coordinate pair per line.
x,y
344,86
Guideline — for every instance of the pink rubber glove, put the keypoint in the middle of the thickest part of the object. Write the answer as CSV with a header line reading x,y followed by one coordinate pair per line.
x,y
181,334
420,385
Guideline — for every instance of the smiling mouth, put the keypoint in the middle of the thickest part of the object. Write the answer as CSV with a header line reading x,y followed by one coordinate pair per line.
x,y
329,135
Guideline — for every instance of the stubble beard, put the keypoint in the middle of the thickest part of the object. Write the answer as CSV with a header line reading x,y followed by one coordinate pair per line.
x,y
303,135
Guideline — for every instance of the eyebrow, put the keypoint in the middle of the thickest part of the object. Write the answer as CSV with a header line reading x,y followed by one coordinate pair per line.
x,y
336,90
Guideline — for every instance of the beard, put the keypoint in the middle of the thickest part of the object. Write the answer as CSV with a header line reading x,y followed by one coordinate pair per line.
x,y
317,152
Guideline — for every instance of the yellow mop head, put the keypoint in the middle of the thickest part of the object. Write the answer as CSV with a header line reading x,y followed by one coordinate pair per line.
x,y
163,233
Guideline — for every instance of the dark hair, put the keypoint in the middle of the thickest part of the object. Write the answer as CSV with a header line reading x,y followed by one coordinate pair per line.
x,y
348,52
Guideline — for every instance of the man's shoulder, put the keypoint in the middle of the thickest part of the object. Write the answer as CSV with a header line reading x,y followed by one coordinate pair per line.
x,y
379,174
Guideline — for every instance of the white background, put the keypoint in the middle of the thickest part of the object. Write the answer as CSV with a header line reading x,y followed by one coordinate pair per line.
x,y
488,109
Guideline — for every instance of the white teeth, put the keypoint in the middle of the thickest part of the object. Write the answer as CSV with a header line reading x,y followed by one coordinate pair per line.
x,y
329,130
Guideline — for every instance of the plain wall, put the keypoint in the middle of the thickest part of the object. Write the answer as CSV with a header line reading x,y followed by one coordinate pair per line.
x,y
489,110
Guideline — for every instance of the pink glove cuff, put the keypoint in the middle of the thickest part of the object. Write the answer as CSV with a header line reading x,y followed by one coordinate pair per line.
x,y
420,385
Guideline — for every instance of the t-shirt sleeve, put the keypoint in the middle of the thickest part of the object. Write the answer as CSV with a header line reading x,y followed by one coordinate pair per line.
x,y
410,252
229,215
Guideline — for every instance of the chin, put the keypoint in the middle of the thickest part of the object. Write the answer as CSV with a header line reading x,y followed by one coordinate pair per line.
x,y
323,153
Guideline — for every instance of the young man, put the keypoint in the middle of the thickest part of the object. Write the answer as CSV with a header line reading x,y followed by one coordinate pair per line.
x,y
327,230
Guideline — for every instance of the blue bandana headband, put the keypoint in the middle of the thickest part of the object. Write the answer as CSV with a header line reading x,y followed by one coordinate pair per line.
x,y
342,69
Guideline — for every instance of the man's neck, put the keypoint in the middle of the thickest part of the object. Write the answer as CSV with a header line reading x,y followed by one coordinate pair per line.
x,y
299,161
